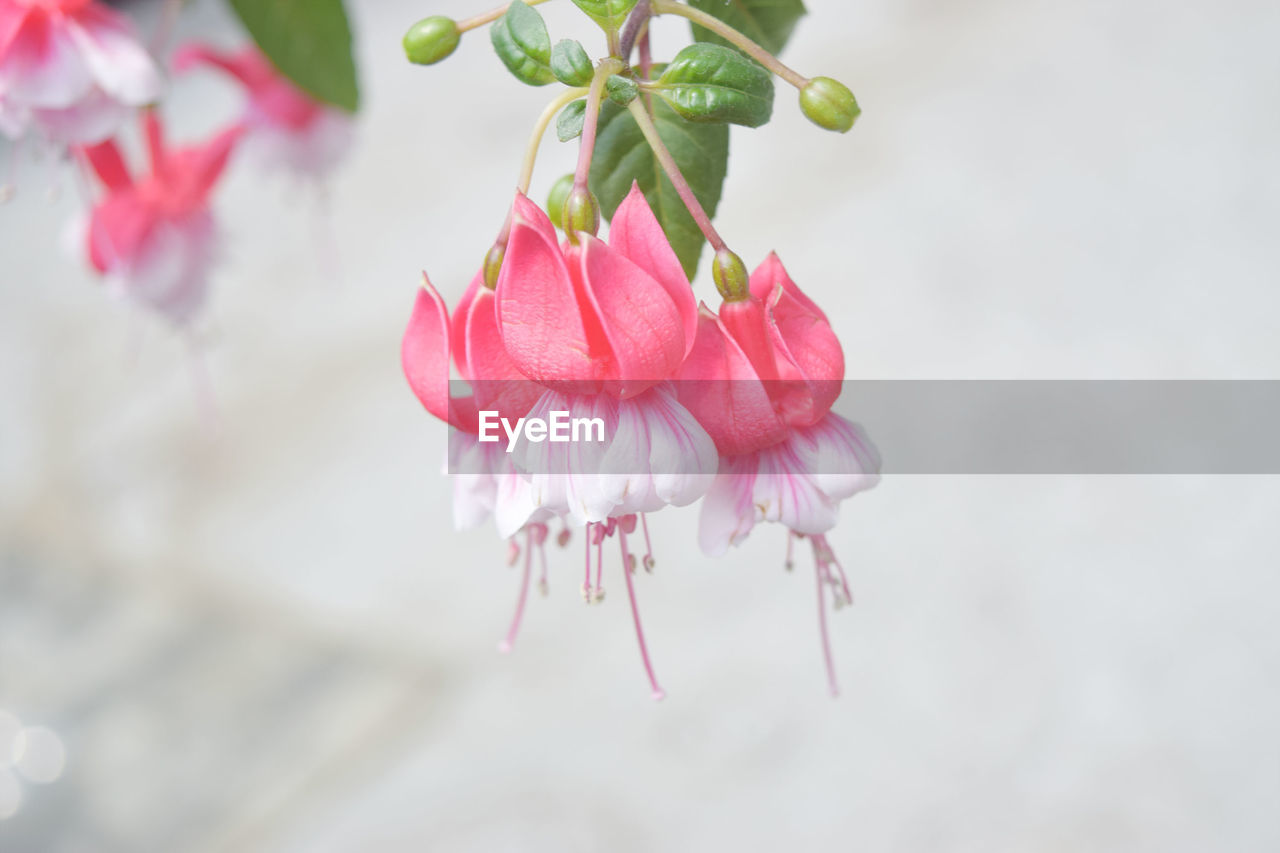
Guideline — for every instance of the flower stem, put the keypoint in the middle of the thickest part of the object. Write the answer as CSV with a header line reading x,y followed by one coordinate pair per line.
x,y
539,129
490,16
674,174
746,45
592,119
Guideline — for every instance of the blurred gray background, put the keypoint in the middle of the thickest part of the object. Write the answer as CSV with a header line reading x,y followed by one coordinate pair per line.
x,y
256,629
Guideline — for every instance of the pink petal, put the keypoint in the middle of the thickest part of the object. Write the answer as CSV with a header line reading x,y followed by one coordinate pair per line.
x,y
636,234
539,314
497,383
424,357
720,386
770,273
108,164
643,326
458,326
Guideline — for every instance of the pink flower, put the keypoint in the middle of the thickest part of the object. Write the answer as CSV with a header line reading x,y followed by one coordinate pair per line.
x,y
761,378
154,236
617,317
764,365
72,68
287,127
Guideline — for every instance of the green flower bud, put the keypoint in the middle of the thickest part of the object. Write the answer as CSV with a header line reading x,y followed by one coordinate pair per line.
x,y
621,90
431,40
829,103
570,63
581,213
557,197
730,275
493,264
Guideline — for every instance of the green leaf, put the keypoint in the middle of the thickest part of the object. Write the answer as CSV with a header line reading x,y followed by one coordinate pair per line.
x,y
707,82
308,41
570,63
569,123
768,23
521,41
622,155
610,14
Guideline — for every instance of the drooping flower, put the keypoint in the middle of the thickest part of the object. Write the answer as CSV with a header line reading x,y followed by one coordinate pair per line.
x,y
762,377
153,236
287,128
73,69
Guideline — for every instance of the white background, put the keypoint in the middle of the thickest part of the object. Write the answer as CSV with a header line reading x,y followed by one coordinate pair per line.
x,y
1036,189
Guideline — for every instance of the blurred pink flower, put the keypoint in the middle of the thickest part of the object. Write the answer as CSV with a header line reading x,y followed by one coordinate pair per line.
x,y
287,128
73,69
154,236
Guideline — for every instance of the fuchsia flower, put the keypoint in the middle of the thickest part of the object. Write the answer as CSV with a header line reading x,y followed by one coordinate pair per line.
x,y
762,378
287,128
153,236
72,68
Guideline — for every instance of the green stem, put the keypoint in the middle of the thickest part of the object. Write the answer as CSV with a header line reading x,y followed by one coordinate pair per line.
x,y
746,45
490,16
539,129
591,120
668,163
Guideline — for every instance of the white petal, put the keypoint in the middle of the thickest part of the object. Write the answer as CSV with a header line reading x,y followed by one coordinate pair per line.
x,y
838,455
727,514
118,62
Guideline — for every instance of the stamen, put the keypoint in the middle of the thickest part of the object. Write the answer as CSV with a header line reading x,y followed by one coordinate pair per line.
x,y
513,552
598,595
822,627
789,563
506,645
823,553
658,692
586,580
563,537
540,532
649,562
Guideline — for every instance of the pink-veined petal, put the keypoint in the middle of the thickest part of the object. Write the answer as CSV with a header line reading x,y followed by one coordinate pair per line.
x,y
539,314
644,328
635,233
720,386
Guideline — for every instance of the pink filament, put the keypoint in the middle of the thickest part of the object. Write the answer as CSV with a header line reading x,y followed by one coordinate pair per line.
x,y
658,692
509,643
822,626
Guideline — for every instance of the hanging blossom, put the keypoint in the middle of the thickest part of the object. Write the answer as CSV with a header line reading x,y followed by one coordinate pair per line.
x,y
152,235
73,70
286,127
762,378
594,329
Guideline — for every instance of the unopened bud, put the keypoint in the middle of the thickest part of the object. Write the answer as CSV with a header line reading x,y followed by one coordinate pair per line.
x,y
581,213
493,264
621,90
730,275
557,197
431,40
829,103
